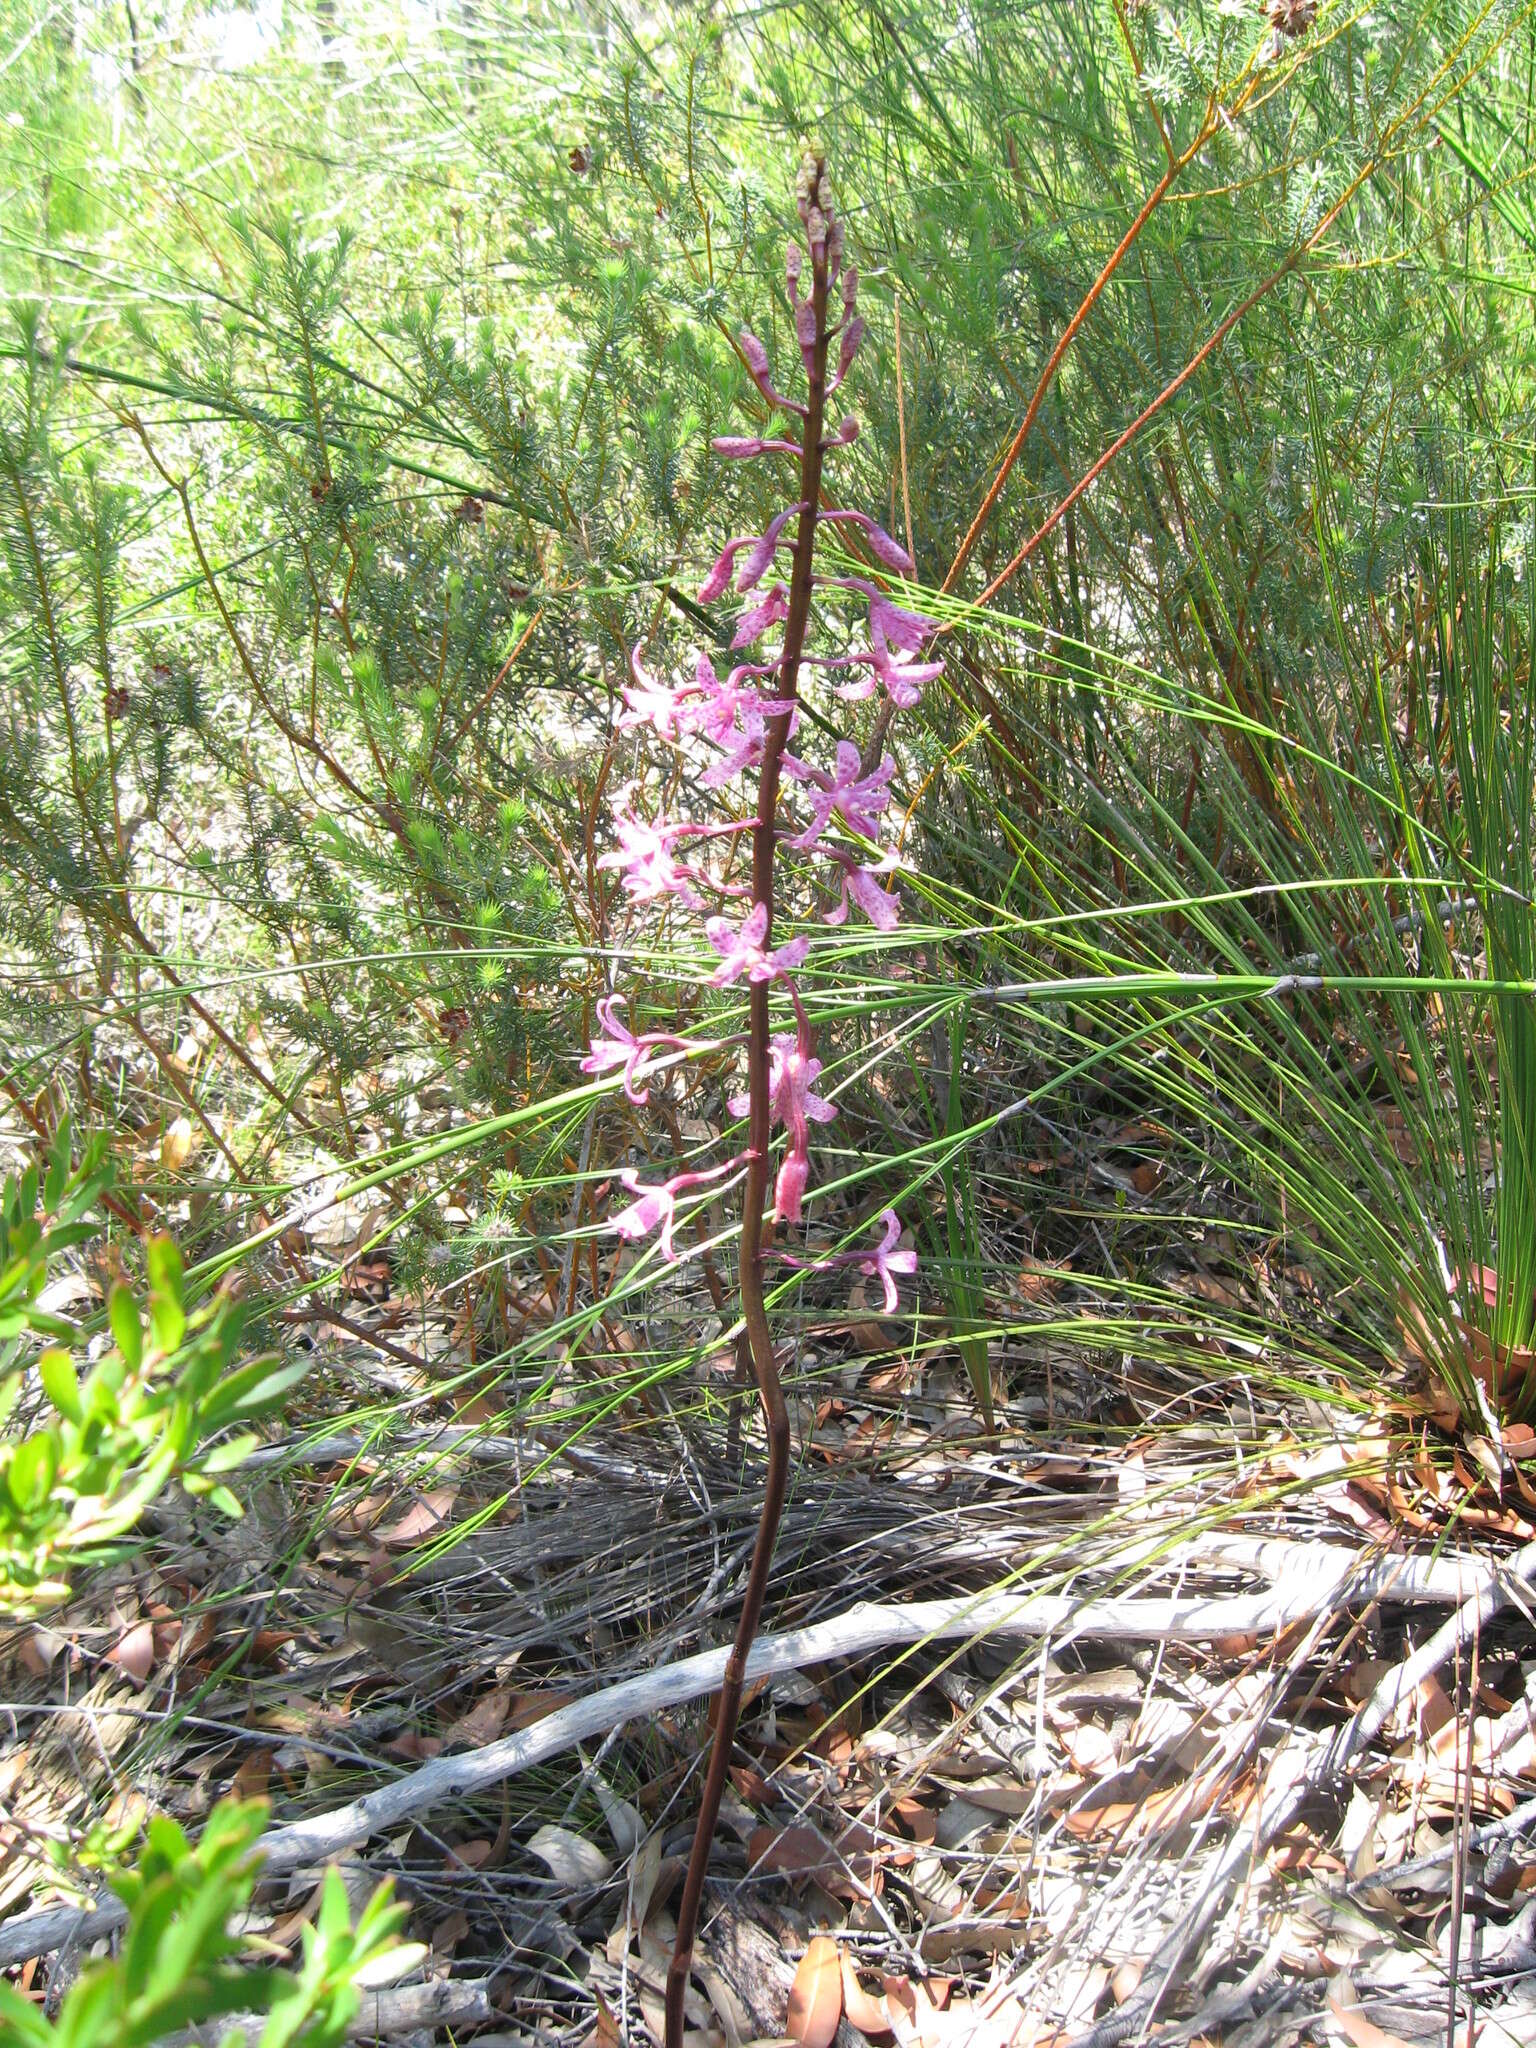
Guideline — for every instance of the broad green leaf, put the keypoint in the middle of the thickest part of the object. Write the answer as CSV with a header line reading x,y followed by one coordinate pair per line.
x,y
127,1330
56,1369
30,1476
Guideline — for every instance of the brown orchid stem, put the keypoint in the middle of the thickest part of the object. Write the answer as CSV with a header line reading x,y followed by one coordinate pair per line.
x,y
754,1235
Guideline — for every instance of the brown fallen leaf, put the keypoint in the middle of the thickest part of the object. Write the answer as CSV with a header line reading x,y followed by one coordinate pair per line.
x,y
1125,1981
794,1852
483,1722
528,1707
917,1820
907,2009
816,1996
448,1933
413,1746
421,1519
862,2008
134,1652
252,1778
607,2033
177,1144
751,1784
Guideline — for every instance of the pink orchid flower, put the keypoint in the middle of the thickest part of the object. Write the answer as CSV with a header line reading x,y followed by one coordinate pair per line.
x,y
644,853
741,952
720,704
617,1046
650,703
878,905
772,610
904,629
857,798
658,1205
792,1077
886,1261
746,750
903,680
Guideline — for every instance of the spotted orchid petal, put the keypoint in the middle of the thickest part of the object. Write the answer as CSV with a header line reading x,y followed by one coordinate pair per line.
x,y
881,545
772,610
741,950
860,884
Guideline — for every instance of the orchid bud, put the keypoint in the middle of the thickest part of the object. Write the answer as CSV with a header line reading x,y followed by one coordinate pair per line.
x,y
758,562
741,447
789,1189
853,334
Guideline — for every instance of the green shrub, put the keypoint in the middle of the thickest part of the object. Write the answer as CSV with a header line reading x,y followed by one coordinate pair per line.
x,y
105,1440
179,1962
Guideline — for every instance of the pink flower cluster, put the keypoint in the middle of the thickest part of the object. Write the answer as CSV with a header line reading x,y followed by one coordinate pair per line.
x,y
723,729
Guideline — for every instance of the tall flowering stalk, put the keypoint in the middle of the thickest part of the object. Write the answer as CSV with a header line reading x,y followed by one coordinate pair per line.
x,y
729,729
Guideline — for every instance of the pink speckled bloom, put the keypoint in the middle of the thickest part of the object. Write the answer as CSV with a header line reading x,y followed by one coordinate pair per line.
x,y
886,1262
741,951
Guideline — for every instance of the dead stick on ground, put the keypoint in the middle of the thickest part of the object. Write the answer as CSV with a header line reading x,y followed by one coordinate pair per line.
x,y
1342,1578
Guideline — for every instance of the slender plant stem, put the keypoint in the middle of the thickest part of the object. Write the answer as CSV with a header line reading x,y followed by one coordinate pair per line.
x,y
753,1234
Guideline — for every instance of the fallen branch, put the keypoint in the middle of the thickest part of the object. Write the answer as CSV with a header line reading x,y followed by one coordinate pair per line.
x,y
1310,1579
1331,1757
